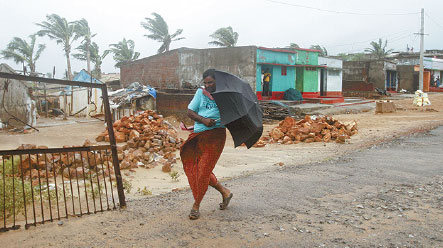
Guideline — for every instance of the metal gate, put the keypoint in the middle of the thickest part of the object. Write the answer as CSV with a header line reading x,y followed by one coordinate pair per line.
x,y
40,185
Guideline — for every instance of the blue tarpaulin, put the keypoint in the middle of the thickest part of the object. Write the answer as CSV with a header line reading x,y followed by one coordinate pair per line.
x,y
82,76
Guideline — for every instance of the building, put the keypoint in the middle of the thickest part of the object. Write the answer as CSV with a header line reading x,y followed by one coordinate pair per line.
x,y
399,71
181,69
433,70
330,77
112,80
361,78
82,101
17,108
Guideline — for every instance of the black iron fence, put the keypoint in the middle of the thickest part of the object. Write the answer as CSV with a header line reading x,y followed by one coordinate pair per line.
x,y
40,185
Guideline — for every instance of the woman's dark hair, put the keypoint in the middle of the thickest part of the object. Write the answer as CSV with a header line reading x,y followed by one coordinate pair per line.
x,y
209,73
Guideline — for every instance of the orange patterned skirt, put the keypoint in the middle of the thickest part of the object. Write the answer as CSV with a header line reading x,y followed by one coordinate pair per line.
x,y
199,154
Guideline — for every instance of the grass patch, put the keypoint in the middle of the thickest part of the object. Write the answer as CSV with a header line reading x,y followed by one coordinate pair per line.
x,y
12,188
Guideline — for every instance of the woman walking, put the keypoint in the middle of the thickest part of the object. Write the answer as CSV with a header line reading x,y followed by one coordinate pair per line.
x,y
204,146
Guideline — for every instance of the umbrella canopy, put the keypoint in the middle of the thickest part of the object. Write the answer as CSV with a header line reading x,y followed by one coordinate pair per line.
x,y
239,109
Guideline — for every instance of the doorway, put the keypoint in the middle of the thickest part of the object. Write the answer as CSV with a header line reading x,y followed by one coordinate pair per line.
x,y
267,88
391,81
323,82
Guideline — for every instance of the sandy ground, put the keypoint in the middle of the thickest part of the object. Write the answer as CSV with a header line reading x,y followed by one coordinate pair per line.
x,y
388,195
235,162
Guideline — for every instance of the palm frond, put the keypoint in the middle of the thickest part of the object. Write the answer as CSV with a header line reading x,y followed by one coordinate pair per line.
x,y
225,37
159,31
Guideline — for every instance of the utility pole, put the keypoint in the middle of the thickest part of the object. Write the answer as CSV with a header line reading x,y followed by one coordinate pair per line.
x,y
422,41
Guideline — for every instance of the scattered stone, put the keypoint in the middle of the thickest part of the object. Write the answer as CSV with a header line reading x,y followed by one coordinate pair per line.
x,y
325,129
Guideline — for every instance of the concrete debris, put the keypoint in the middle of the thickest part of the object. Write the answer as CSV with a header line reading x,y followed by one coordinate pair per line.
x,y
67,164
320,129
126,96
150,141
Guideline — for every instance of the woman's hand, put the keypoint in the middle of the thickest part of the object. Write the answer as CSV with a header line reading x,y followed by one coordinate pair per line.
x,y
208,122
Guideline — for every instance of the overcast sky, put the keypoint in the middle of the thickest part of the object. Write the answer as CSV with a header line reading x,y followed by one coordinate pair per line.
x,y
259,22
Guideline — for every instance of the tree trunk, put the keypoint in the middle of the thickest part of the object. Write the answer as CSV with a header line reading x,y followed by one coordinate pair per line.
x,y
68,60
88,58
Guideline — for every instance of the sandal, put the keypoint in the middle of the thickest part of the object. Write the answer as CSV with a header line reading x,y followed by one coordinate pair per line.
x,y
225,202
195,214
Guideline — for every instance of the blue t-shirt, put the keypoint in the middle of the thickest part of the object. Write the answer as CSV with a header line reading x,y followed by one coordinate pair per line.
x,y
205,107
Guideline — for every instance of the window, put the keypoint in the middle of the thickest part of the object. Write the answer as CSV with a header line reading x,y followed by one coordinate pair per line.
x,y
283,70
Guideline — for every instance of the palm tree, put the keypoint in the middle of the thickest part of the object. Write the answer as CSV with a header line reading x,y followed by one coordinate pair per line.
x,y
95,57
378,49
62,31
123,52
293,45
160,32
323,51
82,30
224,37
23,52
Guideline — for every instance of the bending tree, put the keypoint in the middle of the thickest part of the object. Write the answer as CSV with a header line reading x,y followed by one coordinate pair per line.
x,y
323,51
123,52
95,57
21,51
62,31
293,45
224,37
160,32
378,49
83,31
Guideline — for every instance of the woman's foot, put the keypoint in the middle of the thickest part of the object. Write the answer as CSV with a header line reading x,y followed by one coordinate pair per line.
x,y
194,214
226,201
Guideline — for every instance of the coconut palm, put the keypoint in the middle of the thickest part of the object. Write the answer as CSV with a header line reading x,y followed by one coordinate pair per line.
x,y
224,37
94,56
63,32
21,51
323,51
293,45
123,52
83,31
378,49
160,32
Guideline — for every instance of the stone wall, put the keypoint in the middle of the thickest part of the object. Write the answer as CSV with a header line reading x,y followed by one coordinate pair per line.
x,y
363,76
175,104
377,74
407,78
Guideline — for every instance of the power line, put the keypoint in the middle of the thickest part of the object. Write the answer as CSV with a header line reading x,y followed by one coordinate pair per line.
x,y
342,12
392,41
365,41
432,19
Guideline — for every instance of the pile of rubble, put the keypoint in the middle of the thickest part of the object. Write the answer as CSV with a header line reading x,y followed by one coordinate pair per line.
x,y
68,164
150,141
320,129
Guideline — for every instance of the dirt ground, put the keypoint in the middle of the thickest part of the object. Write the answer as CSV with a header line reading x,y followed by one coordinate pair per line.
x,y
234,162
384,195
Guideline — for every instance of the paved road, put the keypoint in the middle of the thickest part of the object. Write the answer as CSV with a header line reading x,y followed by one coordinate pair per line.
x,y
388,196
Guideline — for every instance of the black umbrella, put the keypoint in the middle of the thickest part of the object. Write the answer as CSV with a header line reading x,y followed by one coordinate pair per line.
x,y
239,109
